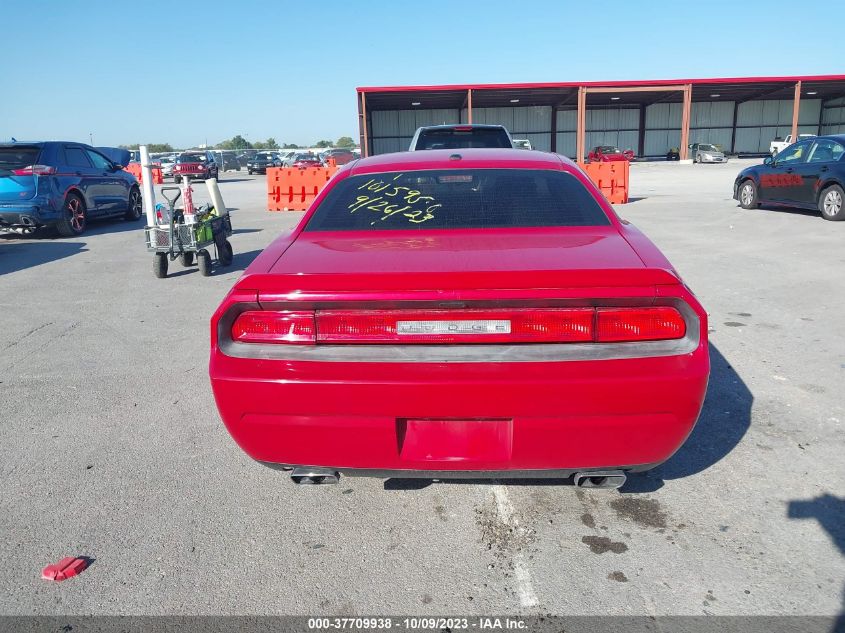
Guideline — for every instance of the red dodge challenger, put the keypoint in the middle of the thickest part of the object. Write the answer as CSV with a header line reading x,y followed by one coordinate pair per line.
x,y
460,313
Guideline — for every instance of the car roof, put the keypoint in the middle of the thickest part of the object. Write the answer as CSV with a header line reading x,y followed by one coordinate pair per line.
x,y
450,126
471,158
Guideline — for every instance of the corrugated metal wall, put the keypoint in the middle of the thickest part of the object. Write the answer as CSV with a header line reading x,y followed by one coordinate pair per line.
x,y
392,130
605,126
758,123
711,122
833,117
531,122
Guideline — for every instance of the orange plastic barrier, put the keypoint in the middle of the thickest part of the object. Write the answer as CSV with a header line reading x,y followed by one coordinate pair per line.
x,y
290,189
135,170
612,178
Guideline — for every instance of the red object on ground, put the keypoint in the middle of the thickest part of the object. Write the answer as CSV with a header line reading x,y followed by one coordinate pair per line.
x,y
64,569
626,395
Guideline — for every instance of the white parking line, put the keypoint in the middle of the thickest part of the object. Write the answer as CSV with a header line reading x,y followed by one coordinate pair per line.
x,y
524,586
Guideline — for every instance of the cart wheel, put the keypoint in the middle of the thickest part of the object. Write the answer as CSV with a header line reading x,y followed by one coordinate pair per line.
x,y
225,253
204,262
187,258
160,265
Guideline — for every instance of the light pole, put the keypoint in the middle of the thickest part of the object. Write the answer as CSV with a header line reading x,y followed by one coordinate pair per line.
x,y
91,138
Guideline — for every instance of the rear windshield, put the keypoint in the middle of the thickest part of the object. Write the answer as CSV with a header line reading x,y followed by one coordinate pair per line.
x,y
191,158
456,138
266,157
609,149
457,199
18,156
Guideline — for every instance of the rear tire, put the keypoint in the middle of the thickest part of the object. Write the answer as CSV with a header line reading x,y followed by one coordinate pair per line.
x,y
73,220
187,258
226,253
204,262
136,206
748,195
832,203
177,179
160,265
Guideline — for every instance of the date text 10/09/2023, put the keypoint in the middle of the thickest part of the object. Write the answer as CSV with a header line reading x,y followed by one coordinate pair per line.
x,y
480,623
393,200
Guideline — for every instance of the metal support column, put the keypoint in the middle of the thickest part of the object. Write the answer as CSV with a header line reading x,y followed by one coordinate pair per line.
x,y
796,106
641,135
733,129
469,106
581,131
685,121
365,146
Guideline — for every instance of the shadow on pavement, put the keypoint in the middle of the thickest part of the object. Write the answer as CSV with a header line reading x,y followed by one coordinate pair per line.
x,y
724,420
829,511
19,255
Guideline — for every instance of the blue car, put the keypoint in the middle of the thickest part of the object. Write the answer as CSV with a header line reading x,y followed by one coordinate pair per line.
x,y
62,185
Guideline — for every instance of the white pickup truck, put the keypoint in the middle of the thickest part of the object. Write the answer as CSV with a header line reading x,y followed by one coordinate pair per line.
x,y
778,146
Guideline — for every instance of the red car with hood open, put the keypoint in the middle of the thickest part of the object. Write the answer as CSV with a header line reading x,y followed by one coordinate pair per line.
x,y
463,313
609,153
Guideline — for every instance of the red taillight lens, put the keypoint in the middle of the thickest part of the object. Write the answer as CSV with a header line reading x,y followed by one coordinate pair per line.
x,y
274,327
639,324
525,325
456,326
34,170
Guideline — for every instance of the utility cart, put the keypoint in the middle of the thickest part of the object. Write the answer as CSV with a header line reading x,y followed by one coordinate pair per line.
x,y
186,241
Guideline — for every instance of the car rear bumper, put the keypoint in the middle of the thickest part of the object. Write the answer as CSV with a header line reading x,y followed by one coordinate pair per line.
x,y
713,160
38,211
480,419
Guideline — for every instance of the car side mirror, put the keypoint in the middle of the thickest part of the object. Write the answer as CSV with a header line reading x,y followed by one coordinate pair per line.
x,y
116,167
769,160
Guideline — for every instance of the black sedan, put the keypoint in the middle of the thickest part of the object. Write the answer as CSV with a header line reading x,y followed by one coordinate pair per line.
x,y
809,174
261,162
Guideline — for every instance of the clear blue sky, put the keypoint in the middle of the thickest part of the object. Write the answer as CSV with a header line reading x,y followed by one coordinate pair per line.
x,y
183,71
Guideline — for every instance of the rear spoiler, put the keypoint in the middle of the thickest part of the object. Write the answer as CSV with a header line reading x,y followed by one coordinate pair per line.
x,y
460,286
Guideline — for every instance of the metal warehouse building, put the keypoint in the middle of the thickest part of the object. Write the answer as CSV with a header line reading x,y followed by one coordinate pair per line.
x,y
743,115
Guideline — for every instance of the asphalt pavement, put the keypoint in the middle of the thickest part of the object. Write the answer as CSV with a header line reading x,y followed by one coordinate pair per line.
x,y
112,447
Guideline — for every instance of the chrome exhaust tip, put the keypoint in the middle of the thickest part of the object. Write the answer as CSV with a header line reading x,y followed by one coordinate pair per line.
x,y
599,479
305,475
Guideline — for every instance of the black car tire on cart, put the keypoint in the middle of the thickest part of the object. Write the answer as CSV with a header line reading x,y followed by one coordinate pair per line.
x,y
187,258
204,262
226,253
160,265
832,203
748,194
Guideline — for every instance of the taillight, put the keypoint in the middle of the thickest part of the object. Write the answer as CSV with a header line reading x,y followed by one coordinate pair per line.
x,y
456,326
519,325
34,170
274,327
639,324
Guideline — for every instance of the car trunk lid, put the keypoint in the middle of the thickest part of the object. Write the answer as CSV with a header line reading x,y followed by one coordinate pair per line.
x,y
461,264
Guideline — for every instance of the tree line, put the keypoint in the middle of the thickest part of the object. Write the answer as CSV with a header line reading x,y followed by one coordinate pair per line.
x,y
238,142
